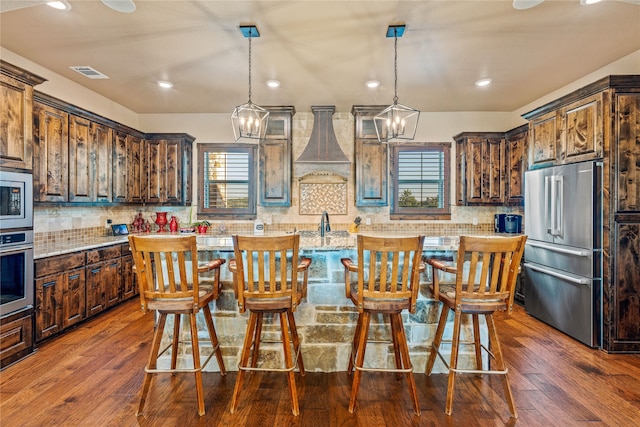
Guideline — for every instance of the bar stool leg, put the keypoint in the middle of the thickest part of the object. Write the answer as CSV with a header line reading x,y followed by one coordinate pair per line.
x,y
244,359
195,352
153,360
362,345
289,363
214,339
296,341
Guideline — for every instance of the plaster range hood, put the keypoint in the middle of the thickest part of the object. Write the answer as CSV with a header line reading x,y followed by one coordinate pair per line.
x,y
323,152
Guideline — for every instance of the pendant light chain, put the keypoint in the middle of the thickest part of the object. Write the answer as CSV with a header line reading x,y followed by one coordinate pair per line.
x,y
250,69
395,68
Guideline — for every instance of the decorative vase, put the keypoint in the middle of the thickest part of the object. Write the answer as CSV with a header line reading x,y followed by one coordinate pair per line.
x,y
161,221
202,229
173,224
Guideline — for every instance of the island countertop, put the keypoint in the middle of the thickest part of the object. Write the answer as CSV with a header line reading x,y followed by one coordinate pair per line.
x,y
308,240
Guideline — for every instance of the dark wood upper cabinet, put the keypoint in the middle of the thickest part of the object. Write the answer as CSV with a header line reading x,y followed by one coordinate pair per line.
x,y
50,154
167,167
16,116
480,168
515,165
275,162
371,159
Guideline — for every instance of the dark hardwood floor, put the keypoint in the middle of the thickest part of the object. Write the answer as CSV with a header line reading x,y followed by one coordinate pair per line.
x,y
92,375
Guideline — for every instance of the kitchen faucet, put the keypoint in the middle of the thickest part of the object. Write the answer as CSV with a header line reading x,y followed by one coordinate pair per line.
x,y
324,226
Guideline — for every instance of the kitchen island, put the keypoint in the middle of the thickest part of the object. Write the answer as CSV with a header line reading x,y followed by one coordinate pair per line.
x,y
326,318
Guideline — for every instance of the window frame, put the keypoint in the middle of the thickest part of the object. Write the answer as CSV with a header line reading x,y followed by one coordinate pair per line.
x,y
397,212
229,213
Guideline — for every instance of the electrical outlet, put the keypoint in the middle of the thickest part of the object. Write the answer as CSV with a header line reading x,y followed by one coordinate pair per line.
x,y
475,220
367,221
108,224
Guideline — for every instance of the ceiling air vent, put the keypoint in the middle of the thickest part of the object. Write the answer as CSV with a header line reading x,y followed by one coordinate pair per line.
x,y
89,72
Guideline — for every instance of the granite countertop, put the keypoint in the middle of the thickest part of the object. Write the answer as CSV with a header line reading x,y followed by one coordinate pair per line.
x,y
309,240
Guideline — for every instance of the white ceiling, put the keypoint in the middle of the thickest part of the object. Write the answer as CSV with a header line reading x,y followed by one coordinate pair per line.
x,y
323,52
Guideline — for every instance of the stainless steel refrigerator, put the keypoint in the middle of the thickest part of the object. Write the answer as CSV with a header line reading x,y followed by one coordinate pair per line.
x,y
563,253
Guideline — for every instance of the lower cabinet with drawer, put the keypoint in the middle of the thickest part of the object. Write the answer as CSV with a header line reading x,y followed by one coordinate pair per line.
x,y
16,336
73,287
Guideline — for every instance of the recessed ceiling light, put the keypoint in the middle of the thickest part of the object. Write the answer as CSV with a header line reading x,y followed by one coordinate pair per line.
x,y
60,5
483,82
165,84
273,83
124,6
588,2
372,84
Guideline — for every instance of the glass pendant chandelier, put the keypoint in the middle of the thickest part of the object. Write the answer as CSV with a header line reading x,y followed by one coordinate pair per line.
x,y
397,122
249,120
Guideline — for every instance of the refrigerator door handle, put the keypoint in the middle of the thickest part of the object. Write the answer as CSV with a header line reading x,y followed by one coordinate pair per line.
x,y
547,209
557,249
555,184
556,274
559,181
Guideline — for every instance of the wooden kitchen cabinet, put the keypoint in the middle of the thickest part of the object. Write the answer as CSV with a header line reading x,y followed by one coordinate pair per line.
x,y
103,281
371,159
482,157
166,167
16,336
515,165
90,160
129,282
570,133
72,287
50,154
275,158
59,293
16,116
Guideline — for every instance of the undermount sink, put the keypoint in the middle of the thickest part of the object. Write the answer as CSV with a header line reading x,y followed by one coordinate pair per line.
x,y
315,233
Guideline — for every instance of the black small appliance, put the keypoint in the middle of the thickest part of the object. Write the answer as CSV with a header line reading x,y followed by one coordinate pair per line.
x,y
507,223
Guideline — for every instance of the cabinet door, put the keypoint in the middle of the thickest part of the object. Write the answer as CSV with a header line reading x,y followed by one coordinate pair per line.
x,y
48,305
112,279
626,305
627,149
101,162
371,173
515,160
371,159
493,180
581,136
50,154
128,278
96,299
80,182
155,163
120,168
73,298
275,172
173,171
461,177
187,173
16,105
475,169
543,139
136,176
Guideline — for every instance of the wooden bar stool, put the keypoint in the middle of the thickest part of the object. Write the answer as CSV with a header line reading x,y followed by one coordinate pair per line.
x,y
388,280
267,279
486,271
167,271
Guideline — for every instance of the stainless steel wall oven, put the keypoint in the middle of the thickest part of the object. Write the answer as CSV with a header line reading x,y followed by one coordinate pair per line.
x,y
16,271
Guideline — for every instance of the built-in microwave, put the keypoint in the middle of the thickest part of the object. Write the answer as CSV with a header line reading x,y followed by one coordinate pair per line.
x,y
16,200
